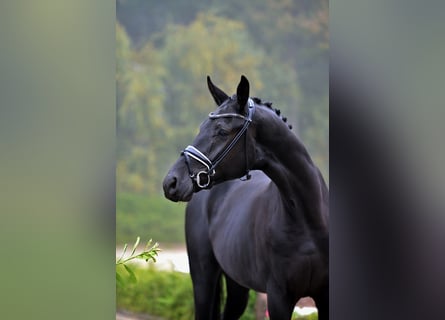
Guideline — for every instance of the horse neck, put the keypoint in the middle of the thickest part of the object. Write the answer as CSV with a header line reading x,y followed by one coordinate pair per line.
x,y
288,164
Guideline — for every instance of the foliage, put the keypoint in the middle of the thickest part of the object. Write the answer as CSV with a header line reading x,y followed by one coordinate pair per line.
x,y
164,50
165,294
149,253
140,120
159,293
311,316
219,47
169,295
142,215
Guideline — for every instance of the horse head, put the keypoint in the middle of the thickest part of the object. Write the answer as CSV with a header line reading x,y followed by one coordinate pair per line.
x,y
224,148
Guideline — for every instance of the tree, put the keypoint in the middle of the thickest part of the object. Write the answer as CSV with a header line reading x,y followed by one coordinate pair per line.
x,y
221,48
161,92
141,125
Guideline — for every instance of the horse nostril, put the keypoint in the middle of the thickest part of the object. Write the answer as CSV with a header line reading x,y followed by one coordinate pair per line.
x,y
173,183
170,185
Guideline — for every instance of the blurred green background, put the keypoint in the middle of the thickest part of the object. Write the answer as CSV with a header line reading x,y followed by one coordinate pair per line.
x,y
57,125
165,50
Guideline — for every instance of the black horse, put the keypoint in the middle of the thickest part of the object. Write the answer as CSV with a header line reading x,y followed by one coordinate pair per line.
x,y
267,232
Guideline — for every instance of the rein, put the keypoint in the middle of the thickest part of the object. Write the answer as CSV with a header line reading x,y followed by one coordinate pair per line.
x,y
203,177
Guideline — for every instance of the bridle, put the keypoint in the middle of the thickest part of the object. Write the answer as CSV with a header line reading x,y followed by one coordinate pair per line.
x,y
203,177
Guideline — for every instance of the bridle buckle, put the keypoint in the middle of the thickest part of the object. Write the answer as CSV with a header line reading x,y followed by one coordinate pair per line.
x,y
203,183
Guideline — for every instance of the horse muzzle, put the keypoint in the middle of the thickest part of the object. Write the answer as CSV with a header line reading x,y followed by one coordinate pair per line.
x,y
177,189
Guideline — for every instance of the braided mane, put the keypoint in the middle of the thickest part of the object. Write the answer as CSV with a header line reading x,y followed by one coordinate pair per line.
x,y
269,105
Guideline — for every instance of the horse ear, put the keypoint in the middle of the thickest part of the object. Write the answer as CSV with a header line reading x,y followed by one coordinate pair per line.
x,y
218,95
242,94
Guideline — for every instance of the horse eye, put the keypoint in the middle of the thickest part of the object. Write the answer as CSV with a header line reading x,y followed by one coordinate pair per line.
x,y
223,133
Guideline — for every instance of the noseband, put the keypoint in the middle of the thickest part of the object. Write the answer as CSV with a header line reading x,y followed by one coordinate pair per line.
x,y
203,177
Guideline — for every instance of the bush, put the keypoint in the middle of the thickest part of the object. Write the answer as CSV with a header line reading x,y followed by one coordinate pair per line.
x,y
165,294
169,295
158,293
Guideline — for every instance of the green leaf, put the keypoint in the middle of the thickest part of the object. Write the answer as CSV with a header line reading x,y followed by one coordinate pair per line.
x,y
131,274
135,245
147,246
122,256
119,281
